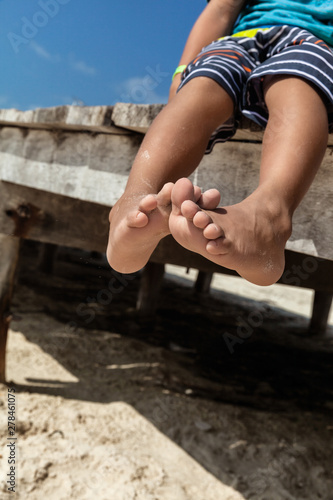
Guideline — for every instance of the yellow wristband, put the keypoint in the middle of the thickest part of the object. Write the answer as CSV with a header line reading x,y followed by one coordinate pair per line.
x,y
180,69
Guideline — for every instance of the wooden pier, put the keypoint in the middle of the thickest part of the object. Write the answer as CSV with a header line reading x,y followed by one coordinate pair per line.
x,y
61,169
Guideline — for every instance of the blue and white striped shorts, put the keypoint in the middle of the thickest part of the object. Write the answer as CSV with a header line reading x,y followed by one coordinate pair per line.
x,y
240,62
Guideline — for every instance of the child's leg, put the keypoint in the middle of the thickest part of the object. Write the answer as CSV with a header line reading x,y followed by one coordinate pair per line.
x,y
171,149
250,237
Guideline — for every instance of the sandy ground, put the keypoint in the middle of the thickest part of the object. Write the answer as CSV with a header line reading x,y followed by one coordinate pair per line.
x,y
109,405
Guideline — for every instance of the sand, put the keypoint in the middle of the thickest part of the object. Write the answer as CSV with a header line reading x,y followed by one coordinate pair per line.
x,y
164,410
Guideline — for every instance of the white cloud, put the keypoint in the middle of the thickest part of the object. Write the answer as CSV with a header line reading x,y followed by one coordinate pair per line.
x,y
40,51
141,90
76,65
82,67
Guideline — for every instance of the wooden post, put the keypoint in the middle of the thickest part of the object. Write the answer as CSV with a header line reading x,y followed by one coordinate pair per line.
x,y
47,255
203,281
151,280
9,253
322,302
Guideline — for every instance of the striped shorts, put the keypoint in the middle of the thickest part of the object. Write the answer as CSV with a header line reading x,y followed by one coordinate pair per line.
x,y
240,62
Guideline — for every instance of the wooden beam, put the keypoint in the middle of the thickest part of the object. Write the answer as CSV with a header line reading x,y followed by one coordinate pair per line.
x,y
59,219
75,118
300,270
9,253
75,223
139,117
95,168
85,166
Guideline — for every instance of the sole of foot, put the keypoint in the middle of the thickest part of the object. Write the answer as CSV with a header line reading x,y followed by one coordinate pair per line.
x,y
137,224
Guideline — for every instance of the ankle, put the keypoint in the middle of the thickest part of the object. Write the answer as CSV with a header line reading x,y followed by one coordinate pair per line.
x,y
275,208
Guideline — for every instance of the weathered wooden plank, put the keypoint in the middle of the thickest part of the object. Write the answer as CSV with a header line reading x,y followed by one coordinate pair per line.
x,y
60,220
75,223
136,117
9,253
91,118
92,167
300,270
139,117
122,118
233,168
118,119
95,168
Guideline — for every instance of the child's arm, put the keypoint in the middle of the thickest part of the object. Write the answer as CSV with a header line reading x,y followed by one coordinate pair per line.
x,y
216,20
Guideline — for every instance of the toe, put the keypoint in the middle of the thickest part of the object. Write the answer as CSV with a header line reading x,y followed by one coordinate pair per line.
x,y
189,209
217,247
213,231
148,203
210,199
164,196
201,219
137,219
182,190
197,193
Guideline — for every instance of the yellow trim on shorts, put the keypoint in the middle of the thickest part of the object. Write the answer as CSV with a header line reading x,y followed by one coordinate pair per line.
x,y
246,33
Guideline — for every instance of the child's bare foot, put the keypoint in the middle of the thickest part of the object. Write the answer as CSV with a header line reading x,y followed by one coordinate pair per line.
x,y
138,223
248,237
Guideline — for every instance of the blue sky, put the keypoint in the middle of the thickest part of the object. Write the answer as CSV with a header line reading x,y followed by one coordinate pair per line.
x,y
56,52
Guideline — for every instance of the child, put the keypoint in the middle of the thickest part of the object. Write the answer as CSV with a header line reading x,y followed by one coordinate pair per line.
x,y
281,76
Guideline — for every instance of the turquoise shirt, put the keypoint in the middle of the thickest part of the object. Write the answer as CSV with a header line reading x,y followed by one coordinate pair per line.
x,y
315,16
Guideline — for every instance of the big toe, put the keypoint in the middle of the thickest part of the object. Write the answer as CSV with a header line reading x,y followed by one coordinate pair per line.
x,y
182,190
